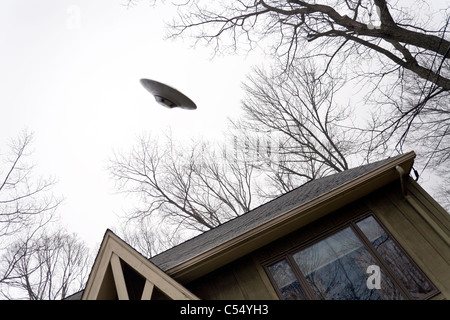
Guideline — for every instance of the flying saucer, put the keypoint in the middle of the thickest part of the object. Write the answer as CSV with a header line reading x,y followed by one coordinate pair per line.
x,y
168,96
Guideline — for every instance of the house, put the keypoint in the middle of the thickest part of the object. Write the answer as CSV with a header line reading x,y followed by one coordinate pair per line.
x,y
369,232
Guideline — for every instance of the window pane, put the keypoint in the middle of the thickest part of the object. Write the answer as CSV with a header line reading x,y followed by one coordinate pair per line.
x,y
286,281
337,269
413,280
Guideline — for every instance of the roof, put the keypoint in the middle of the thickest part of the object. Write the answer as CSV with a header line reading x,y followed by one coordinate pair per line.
x,y
275,218
265,213
75,296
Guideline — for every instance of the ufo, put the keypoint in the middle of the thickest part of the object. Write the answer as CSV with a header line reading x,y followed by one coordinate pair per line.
x,y
167,96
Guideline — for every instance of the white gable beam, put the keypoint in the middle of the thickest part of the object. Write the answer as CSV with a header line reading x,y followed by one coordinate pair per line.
x,y
153,274
148,290
119,279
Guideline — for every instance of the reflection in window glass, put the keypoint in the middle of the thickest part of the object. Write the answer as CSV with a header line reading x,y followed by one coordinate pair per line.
x,y
336,269
286,281
416,284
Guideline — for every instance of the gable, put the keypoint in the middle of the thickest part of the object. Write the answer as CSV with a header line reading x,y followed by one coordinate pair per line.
x,y
120,272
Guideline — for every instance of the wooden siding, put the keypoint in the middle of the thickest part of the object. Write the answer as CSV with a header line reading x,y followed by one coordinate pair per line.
x,y
417,237
239,280
246,278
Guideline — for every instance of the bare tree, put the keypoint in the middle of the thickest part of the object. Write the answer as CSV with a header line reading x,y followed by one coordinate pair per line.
x,y
333,26
27,204
48,267
34,264
307,133
293,132
26,200
396,53
189,186
149,236
398,59
201,185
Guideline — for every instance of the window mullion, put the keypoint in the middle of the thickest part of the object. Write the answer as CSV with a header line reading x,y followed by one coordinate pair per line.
x,y
302,279
389,272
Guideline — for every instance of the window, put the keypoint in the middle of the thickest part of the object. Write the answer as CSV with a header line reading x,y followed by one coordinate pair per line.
x,y
359,261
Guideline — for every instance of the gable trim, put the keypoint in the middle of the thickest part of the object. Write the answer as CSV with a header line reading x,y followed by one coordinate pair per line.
x,y
112,251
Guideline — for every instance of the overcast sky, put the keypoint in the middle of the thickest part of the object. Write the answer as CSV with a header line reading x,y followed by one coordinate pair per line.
x,y
69,73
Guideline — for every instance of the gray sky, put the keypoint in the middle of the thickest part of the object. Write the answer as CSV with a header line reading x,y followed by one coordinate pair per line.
x,y
69,72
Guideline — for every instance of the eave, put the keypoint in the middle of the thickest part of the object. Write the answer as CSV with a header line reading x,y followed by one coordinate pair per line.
x,y
291,220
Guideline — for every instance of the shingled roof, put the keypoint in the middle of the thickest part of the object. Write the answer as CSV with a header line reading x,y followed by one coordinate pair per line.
x,y
264,213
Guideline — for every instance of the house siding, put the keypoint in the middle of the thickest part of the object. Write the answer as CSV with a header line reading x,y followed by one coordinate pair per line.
x,y
246,278
239,280
417,237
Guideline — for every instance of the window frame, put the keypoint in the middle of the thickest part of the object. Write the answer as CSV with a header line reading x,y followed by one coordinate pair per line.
x,y
325,233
